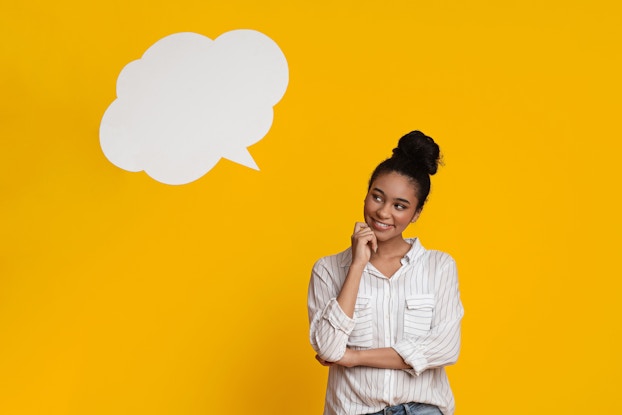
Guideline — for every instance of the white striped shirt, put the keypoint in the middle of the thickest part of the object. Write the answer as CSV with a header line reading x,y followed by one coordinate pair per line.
x,y
417,312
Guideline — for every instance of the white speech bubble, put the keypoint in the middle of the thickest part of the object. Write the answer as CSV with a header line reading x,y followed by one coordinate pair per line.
x,y
190,101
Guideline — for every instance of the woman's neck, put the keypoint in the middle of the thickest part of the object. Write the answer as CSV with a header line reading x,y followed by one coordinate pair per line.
x,y
396,247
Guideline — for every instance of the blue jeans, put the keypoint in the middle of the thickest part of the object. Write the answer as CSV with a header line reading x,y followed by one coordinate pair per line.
x,y
411,408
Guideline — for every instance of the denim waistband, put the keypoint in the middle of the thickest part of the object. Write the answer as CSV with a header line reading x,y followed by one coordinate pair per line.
x,y
401,409
411,408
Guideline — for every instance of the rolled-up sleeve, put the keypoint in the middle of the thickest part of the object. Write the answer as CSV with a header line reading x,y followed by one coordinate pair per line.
x,y
441,345
330,327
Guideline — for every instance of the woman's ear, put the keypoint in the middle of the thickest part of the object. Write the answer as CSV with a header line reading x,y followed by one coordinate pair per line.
x,y
417,213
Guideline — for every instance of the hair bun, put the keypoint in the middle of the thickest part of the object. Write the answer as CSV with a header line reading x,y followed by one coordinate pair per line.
x,y
421,150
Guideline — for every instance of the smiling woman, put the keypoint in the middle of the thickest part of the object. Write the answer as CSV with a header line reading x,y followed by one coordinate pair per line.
x,y
385,313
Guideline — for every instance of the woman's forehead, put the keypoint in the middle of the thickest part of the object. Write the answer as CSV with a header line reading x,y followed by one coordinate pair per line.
x,y
395,185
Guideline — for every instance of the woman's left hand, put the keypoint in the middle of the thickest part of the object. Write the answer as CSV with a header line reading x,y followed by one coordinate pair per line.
x,y
323,362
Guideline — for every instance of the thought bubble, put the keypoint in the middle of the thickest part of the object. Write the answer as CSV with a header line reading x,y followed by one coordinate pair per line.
x,y
190,101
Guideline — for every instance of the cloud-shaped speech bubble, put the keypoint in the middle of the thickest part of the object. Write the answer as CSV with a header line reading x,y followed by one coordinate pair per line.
x,y
190,101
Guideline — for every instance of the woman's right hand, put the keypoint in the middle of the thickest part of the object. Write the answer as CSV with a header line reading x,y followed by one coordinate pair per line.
x,y
363,243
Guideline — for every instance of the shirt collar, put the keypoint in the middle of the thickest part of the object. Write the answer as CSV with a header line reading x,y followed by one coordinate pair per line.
x,y
413,253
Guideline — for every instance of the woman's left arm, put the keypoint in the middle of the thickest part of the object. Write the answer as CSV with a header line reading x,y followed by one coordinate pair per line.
x,y
440,346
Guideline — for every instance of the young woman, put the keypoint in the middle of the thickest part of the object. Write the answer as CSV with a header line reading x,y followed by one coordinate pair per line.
x,y
385,313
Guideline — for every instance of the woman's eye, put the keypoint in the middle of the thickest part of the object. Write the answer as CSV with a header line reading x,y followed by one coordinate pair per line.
x,y
377,198
400,207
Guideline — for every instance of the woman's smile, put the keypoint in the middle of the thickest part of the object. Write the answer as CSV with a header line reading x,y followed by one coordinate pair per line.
x,y
380,226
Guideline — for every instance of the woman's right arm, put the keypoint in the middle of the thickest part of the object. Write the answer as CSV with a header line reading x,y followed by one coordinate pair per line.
x,y
331,306
363,241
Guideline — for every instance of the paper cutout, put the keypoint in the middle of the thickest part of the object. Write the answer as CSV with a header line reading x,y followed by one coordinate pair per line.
x,y
190,100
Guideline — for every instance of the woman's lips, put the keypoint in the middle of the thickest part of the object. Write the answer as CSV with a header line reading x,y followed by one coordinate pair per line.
x,y
380,225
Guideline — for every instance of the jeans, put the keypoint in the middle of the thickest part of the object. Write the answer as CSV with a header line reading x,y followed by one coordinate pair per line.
x,y
411,408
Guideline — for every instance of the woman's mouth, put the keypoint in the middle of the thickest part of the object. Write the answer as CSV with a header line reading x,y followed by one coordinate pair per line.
x,y
380,225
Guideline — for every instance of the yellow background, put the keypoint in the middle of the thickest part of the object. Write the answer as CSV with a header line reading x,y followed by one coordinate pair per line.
x,y
121,295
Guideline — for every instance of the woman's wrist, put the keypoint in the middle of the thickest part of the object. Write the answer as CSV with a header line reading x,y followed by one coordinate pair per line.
x,y
357,268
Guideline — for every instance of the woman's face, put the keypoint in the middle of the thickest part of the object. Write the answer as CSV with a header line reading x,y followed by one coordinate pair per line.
x,y
390,205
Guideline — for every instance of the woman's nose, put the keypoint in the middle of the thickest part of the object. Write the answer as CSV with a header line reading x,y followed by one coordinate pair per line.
x,y
383,211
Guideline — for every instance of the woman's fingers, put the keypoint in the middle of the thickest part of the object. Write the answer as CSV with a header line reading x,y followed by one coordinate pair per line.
x,y
358,226
364,232
361,229
363,242
374,243
322,361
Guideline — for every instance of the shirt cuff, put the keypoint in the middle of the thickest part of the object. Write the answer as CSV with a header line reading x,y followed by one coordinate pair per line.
x,y
337,318
412,355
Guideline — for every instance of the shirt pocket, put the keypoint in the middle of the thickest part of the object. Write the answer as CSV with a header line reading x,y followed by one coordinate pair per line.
x,y
418,314
362,334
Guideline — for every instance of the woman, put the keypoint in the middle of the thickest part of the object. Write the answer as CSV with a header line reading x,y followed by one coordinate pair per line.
x,y
385,313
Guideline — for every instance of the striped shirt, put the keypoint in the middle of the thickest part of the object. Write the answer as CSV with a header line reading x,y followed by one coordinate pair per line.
x,y
417,312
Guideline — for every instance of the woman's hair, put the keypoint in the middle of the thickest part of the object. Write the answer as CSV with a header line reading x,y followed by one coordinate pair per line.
x,y
417,157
